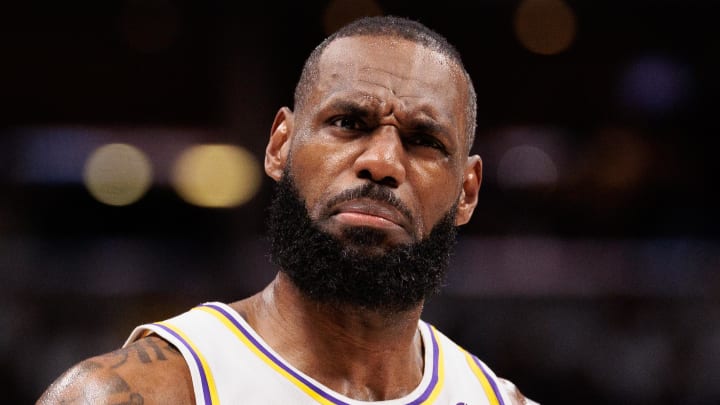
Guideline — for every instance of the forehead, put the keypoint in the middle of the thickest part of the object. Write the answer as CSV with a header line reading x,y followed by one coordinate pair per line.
x,y
395,70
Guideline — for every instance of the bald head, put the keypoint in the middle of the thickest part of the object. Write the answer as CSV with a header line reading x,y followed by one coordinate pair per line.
x,y
394,27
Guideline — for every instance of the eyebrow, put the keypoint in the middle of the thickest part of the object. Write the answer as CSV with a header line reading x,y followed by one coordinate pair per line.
x,y
367,109
353,107
425,124
428,125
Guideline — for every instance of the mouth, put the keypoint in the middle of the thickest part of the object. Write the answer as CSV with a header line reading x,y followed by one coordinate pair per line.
x,y
369,213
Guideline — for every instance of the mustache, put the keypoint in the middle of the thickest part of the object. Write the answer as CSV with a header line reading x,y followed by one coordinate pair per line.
x,y
374,192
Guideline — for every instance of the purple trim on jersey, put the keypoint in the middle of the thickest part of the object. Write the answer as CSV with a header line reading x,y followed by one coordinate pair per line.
x,y
315,388
434,380
490,380
203,377
273,358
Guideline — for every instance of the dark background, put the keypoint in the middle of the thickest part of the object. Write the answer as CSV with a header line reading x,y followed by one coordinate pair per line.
x,y
599,286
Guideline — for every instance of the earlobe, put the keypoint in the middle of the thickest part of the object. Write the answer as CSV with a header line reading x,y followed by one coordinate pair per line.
x,y
278,147
470,190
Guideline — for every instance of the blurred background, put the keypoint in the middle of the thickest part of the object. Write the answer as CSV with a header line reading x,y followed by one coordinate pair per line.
x,y
131,187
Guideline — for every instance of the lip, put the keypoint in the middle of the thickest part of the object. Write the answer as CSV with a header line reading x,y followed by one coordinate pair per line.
x,y
366,212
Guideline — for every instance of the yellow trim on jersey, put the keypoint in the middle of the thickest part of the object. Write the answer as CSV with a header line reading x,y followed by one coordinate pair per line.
x,y
483,380
316,396
441,369
302,385
208,374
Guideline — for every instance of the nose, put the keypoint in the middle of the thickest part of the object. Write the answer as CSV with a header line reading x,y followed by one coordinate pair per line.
x,y
383,159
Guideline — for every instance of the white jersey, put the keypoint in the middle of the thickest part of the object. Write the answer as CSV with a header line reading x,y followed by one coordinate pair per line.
x,y
231,364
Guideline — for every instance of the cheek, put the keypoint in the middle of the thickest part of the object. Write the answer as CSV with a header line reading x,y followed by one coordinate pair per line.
x,y
437,191
315,167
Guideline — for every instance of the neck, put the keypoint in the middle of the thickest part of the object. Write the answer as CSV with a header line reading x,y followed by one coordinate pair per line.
x,y
366,355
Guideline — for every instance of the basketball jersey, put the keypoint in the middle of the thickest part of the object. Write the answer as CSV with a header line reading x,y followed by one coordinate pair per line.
x,y
231,364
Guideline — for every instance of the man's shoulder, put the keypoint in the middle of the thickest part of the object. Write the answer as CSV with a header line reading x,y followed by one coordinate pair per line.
x,y
148,370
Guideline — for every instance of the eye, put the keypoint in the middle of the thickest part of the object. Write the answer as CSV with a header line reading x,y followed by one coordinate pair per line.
x,y
426,141
348,122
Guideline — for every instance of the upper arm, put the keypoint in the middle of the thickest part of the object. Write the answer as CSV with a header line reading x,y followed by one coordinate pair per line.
x,y
144,372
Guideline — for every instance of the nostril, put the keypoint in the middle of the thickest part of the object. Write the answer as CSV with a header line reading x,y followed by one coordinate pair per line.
x,y
387,181
365,174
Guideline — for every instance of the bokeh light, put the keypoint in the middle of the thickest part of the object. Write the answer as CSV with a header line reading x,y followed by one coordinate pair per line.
x,y
216,176
617,159
340,12
526,166
654,84
117,174
545,27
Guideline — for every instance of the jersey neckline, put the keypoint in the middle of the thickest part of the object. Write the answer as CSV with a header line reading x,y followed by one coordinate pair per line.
x,y
424,393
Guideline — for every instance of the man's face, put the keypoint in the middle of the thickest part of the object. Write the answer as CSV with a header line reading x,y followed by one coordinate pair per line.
x,y
373,175
386,111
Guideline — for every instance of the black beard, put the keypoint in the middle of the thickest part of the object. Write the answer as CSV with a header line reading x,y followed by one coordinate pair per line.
x,y
328,270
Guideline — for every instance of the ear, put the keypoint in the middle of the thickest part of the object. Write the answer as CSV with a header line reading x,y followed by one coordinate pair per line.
x,y
470,189
278,147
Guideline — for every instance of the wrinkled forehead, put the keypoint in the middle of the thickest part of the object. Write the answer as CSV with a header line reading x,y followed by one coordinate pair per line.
x,y
397,67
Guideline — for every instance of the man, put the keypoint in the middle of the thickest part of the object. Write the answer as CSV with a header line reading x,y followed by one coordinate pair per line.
x,y
373,177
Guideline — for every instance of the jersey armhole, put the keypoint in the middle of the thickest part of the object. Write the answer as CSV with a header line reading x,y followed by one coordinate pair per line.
x,y
199,377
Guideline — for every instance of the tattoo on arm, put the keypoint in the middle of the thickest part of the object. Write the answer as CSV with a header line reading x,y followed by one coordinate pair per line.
x,y
135,399
100,379
117,386
158,352
144,349
110,386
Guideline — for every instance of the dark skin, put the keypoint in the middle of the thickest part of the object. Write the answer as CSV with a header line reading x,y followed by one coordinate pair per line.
x,y
148,371
384,110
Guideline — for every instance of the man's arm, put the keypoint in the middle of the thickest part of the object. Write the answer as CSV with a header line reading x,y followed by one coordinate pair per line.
x,y
145,372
